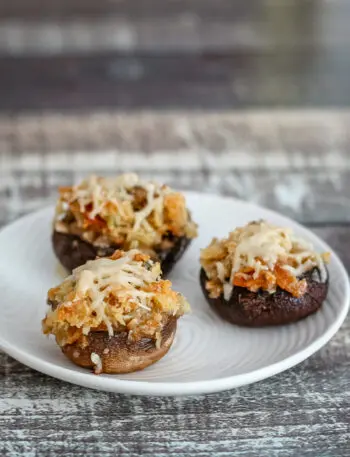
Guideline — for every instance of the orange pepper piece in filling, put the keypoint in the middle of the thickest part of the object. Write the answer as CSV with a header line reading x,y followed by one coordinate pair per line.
x,y
290,283
268,280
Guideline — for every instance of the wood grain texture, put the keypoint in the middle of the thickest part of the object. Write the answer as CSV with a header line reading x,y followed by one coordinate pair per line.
x,y
296,162
225,80
41,28
173,54
148,9
302,412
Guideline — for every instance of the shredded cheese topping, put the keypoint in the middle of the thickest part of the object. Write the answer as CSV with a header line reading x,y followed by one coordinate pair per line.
x,y
124,211
120,293
260,256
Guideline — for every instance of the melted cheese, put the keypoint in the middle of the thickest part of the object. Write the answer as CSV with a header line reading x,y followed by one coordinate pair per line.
x,y
97,278
259,246
124,291
124,211
262,245
99,191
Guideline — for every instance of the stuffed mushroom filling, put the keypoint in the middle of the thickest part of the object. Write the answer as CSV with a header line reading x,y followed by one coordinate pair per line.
x,y
260,256
125,212
122,293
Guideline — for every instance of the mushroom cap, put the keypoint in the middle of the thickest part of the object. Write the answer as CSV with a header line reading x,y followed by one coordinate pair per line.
x,y
72,251
119,354
259,309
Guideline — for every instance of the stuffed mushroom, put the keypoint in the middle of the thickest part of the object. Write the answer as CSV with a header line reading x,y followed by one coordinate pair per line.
x,y
116,314
263,275
101,215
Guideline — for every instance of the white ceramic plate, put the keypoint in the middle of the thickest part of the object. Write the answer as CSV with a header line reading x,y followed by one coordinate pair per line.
x,y
208,354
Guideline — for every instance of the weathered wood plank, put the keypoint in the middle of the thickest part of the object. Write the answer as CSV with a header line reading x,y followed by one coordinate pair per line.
x,y
41,28
130,8
148,9
189,33
276,138
226,81
295,162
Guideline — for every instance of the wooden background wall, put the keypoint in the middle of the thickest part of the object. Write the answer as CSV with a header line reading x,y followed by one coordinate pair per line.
x,y
222,54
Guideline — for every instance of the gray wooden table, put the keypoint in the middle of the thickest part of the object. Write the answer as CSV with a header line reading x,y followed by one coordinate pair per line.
x,y
294,161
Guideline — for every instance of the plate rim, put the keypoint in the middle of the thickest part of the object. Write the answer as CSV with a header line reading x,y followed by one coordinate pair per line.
x,y
114,384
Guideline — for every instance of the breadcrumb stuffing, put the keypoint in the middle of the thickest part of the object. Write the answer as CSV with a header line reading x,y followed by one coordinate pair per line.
x,y
124,292
260,256
124,211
